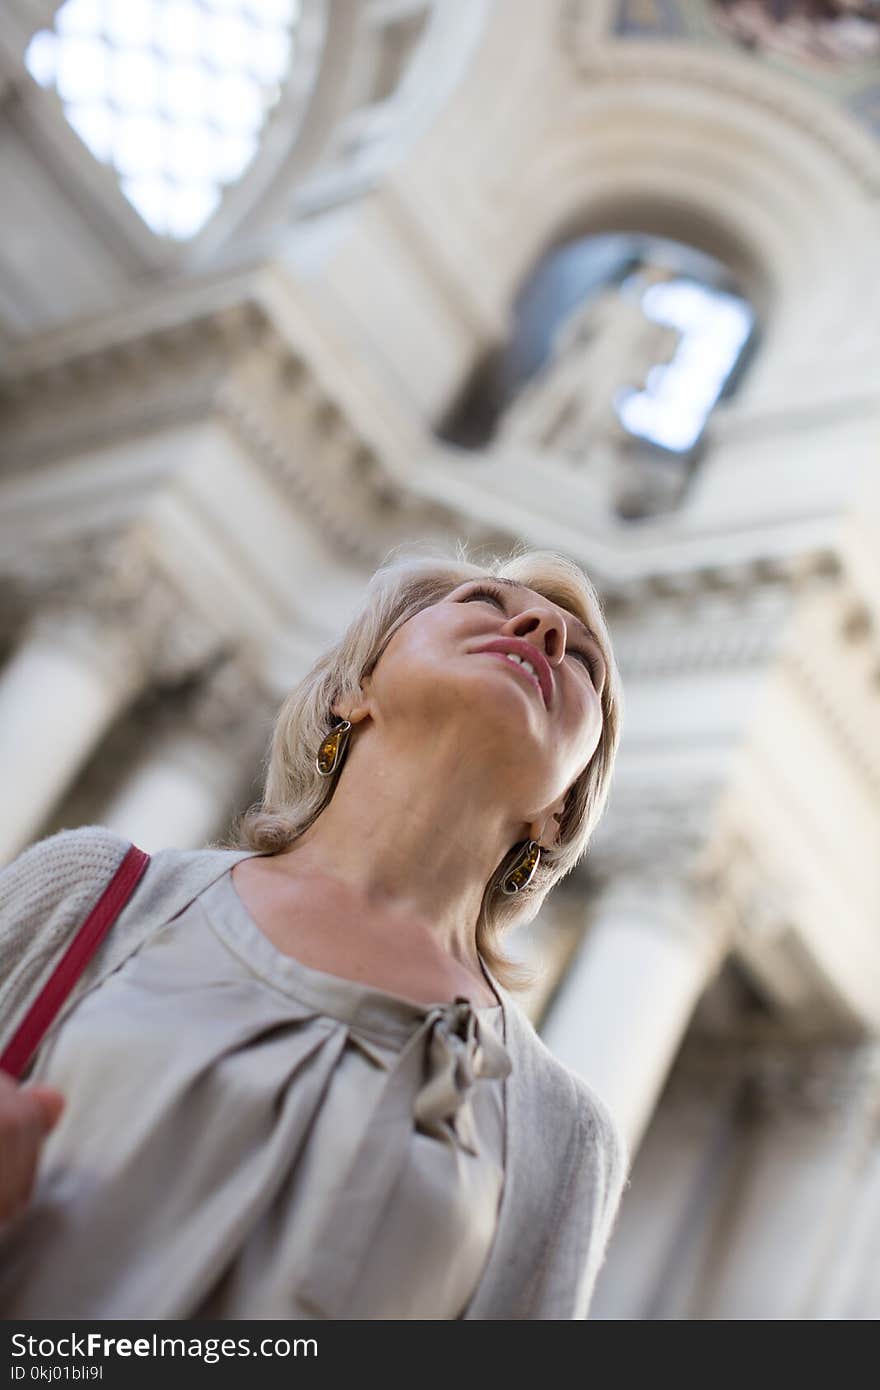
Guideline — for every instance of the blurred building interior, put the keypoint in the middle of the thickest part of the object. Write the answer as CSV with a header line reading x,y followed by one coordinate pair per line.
x,y
284,283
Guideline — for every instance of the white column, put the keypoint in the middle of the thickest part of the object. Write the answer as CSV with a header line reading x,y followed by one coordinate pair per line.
x,y
59,691
799,1234
177,795
190,773
625,1001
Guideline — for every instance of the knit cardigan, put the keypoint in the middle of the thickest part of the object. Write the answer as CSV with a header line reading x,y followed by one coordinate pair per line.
x,y
566,1162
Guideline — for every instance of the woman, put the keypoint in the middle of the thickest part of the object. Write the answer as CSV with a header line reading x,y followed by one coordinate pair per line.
x,y
295,1080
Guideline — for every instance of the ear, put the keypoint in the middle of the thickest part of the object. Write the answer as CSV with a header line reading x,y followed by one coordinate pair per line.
x,y
546,829
355,708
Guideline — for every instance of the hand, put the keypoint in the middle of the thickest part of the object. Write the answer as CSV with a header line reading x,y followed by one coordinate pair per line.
x,y
27,1114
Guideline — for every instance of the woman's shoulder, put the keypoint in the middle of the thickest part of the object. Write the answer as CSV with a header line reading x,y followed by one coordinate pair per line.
x,y
565,1095
71,861
44,893
59,878
604,1135
49,889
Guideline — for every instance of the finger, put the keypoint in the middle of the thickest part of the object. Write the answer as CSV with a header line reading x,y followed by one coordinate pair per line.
x,y
46,1106
50,1103
19,1149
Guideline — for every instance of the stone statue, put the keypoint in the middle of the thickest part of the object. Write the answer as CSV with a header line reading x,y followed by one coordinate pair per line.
x,y
606,344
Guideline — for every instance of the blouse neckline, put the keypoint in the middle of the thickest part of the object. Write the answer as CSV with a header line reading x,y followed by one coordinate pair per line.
x,y
364,1006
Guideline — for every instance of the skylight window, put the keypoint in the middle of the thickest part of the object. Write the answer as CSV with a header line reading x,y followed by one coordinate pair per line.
x,y
171,94
678,397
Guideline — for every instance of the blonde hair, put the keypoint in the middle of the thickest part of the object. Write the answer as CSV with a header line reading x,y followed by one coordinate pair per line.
x,y
411,579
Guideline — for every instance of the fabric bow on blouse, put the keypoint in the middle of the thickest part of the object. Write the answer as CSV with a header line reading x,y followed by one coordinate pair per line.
x,y
457,1052
429,1089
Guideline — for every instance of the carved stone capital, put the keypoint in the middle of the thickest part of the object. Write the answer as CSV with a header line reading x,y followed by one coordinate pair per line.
x,y
222,705
817,1079
750,896
778,1078
651,834
111,593
232,701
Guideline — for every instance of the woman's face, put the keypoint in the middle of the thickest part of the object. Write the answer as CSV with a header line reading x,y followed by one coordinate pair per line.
x,y
446,669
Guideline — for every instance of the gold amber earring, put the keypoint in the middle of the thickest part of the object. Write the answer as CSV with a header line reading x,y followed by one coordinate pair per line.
x,y
523,871
332,750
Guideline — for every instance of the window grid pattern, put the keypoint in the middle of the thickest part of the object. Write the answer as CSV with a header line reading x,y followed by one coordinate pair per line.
x,y
173,95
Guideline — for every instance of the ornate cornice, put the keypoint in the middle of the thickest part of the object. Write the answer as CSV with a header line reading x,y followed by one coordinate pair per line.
x,y
72,398
233,359
233,362
342,484
727,579
653,837
844,687
721,618
325,492
700,629
733,618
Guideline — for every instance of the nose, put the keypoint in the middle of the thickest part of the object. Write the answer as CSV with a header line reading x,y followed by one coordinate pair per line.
x,y
543,627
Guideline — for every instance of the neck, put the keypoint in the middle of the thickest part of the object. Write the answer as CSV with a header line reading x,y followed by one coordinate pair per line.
x,y
411,841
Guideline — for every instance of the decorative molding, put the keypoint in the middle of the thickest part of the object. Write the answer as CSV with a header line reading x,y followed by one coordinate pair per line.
x,y
322,495
733,619
120,389
689,636
343,488
238,365
856,737
723,618
49,408
731,581
780,1077
757,899
653,837
224,706
845,691
111,592
684,65
235,366
752,899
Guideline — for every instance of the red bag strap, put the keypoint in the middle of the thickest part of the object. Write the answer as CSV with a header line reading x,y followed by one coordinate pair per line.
x,y
40,1015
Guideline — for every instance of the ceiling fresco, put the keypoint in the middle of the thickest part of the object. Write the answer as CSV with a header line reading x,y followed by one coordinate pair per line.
x,y
833,45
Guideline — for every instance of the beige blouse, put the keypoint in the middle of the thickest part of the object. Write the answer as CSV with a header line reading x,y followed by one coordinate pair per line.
x,y
248,1137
